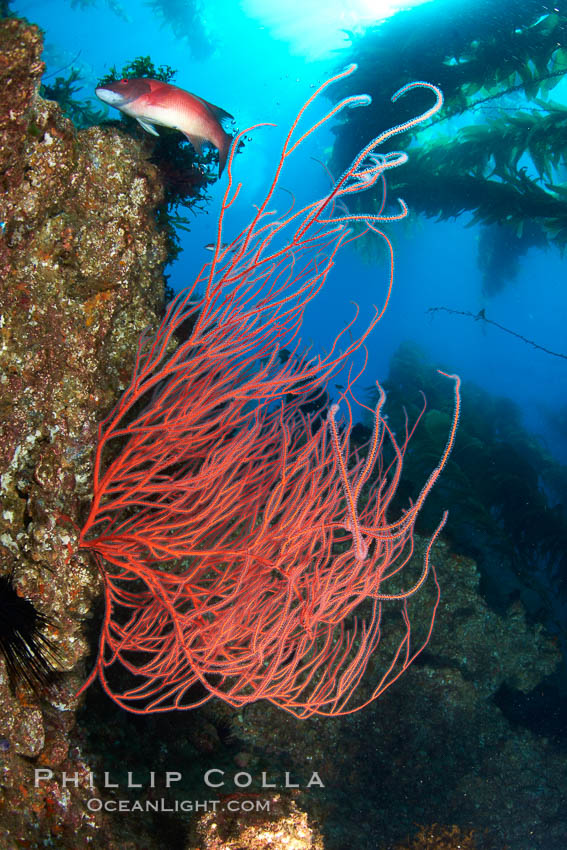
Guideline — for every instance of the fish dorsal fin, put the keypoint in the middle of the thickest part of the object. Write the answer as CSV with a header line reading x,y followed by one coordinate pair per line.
x,y
196,141
149,128
219,113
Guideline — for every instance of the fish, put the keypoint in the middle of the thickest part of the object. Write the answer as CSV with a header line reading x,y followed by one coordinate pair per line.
x,y
211,246
153,102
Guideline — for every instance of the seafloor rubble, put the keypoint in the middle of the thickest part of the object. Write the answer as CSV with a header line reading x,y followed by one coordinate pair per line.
x,y
82,275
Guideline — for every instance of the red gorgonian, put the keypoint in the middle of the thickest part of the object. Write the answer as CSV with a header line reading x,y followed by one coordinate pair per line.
x,y
245,549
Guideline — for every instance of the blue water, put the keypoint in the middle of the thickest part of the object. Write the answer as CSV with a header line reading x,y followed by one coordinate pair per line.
x,y
266,60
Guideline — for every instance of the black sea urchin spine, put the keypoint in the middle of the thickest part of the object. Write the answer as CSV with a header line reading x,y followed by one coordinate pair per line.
x,y
29,655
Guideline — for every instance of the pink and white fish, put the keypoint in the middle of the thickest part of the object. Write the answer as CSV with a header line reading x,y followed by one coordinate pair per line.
x,y
154,102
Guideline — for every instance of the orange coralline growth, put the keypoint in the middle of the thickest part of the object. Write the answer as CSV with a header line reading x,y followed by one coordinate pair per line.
x,y
440,837
437,837
231,532
92,306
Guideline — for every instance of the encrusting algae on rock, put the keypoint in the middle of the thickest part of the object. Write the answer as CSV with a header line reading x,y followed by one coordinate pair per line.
x,y
81,275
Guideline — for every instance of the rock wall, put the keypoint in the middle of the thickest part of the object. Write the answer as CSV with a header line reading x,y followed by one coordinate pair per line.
x,y
81,275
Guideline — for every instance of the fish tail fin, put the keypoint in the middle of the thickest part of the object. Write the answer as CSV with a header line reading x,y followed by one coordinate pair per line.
x,y
219,113
224,148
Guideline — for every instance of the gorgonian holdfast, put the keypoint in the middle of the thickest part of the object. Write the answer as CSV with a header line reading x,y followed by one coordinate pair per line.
x,y
239,537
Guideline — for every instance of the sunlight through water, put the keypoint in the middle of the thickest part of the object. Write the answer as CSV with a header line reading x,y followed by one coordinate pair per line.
x,y
317,27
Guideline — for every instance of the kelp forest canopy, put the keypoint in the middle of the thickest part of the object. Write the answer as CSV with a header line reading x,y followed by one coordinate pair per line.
x,y
185,19
497,150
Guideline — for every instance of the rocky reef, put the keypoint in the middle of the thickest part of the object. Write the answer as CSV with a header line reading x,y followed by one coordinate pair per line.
x,y
434,750
81,276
